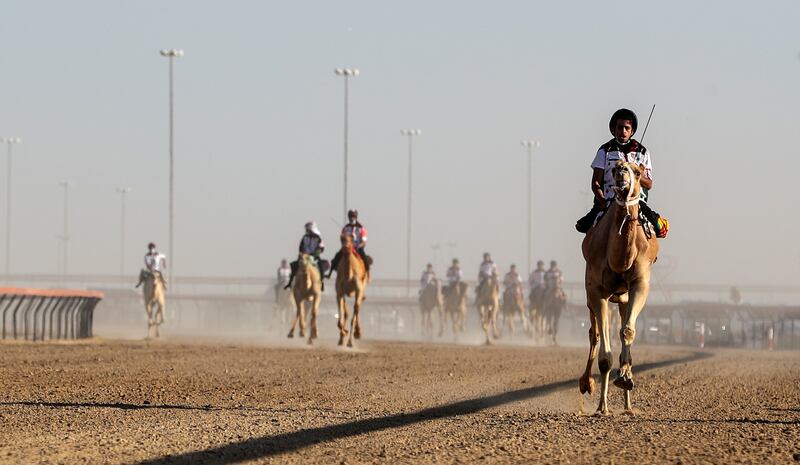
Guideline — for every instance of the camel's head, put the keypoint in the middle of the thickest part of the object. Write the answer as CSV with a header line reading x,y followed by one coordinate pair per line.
x,y
626,179
346,240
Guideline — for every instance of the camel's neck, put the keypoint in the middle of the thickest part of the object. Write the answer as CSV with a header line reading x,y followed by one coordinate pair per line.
x,y
622,250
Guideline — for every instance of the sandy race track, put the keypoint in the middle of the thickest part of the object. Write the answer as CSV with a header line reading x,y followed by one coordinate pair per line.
x,y
173,402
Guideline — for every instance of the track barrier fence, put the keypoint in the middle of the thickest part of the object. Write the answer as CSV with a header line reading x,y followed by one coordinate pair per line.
x,y
39,314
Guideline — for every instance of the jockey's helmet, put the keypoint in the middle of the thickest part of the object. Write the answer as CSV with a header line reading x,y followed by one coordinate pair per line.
x,y
486,256
540,263
151,245
352,213
623,113
455,261
513,267
311,227
553,264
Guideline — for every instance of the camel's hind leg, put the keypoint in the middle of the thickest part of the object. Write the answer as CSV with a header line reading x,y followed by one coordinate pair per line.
x,y
637,296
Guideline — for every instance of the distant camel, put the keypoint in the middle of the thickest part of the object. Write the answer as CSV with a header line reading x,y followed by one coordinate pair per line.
x,y
284,304
429,300
154,301
488,304
553,303
619,255
455,307
536,313
307,286
513,306
351,281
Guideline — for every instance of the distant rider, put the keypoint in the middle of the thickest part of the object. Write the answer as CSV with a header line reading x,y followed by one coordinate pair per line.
x,y
358,232
428,277
310,244
454,277
284,275
486,270
512,278
154,263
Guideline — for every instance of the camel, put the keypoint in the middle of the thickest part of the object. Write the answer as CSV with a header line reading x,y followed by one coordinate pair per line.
x,y
619,255
455,306
513,305
307,286
284,304
553,303
536,313
488,303
154,301
429,300
351,281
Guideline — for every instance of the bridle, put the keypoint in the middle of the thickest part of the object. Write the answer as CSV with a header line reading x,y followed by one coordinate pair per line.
x,y
631,200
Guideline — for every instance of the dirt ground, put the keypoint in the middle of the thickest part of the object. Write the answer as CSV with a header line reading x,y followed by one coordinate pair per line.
x,y
188,403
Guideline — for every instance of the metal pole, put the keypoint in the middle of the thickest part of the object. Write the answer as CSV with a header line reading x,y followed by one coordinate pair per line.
x,y
408,218
8,213
171,176
530,156
122,193
346,136
66,227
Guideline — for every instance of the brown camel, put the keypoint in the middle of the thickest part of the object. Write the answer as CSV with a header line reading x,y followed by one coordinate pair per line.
x,y
429,300
455,306
154,301
619,255
513,306
307,286
488,305
351,281
553,303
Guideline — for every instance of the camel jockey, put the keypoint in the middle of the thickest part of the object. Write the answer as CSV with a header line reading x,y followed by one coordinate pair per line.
x,y
359,234
513,278
428,277
536,280
154,262
487,270
623,126
454,276
552,278
310,244
284,274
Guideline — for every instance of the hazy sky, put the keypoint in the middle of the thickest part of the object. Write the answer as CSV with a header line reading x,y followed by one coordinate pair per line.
x,y
259,128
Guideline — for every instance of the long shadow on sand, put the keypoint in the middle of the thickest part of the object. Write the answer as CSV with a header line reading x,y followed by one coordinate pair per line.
x,y
267,446
117,405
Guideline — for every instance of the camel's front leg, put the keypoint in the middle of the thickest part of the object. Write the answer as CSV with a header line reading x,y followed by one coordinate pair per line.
x,y
357,302
599,306
493,319
637,296
586,382
343,314
298,312
312,329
